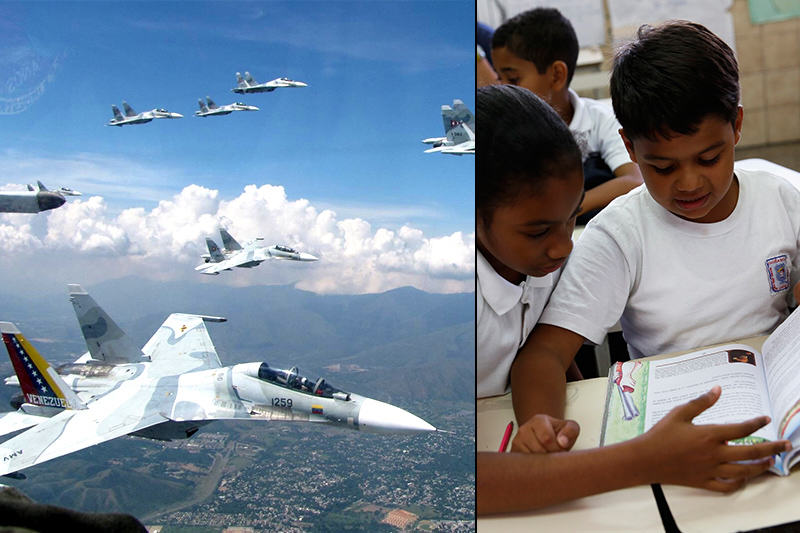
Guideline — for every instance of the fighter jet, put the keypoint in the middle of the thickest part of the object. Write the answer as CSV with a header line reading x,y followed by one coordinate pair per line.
x,y
34,200
459,130
460,140
131,117
249,85
210,109
252,254
167,390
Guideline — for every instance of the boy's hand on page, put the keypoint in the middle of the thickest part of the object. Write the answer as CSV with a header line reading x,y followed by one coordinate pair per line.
x,y
796,292
543,434
682,453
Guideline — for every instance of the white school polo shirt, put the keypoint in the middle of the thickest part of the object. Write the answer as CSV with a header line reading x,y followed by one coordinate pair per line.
x,y
596,129
506,314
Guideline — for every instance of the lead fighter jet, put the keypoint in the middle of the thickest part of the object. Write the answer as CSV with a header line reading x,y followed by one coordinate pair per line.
x,y
252,254
249,85
34,200
166,390
132,117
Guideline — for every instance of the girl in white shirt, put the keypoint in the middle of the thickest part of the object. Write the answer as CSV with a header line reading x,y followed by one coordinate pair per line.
x,y
529,189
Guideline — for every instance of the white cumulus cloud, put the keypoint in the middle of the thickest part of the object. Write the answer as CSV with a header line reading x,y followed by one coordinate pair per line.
x,y
88,242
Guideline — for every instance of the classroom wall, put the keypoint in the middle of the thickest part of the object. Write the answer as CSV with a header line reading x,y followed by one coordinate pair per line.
x,y
768,53
769,65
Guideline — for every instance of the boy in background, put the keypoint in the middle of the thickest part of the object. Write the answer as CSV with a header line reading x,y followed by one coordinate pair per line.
x,y
538,50
698,256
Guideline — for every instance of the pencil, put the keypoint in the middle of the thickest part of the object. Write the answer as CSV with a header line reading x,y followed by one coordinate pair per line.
x,y
506,437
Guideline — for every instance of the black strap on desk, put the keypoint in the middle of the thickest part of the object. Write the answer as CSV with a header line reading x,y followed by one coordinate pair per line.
x,y
663,510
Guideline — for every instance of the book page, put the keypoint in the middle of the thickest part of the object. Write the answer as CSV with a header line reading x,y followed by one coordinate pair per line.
x,y
642,392
782,358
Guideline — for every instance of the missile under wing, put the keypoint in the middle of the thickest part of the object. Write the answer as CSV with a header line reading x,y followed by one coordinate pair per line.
x,y
179,386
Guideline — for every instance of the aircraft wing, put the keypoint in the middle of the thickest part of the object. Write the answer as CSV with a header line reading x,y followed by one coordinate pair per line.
x,y
182,345
459,149
118,413
216,268
16,420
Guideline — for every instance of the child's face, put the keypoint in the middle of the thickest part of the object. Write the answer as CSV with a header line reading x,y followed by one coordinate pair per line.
x,y
691,175
533,236
513,70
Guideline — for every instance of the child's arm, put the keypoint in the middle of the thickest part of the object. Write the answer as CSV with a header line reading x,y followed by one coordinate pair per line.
x,y
537,375
674,451
628,177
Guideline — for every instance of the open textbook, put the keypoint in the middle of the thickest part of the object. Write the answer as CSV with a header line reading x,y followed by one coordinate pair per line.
x,y
754,383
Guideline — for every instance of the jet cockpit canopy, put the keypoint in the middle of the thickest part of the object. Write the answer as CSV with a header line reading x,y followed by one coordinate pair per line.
x,y
292,379
283,248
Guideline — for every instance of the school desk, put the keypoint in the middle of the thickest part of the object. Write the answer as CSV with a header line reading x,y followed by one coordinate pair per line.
x,y
765,501
610,511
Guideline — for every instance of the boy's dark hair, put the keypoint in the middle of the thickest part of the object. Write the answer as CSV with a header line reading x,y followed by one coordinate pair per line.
x,y
523,143
671,78
542,36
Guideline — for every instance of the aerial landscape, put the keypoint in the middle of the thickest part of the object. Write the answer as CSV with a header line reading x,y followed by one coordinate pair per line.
x,y
363,243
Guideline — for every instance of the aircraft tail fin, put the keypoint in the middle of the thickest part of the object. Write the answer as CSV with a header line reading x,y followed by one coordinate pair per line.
x,y
213,250
460,133
203,106
211,104
463,114
449,120
129,112
104,339
240,81
117,114
228,242
41,185
249,79
41,385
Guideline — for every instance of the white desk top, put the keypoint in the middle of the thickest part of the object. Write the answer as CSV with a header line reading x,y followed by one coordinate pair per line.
x,y
632,509
766,500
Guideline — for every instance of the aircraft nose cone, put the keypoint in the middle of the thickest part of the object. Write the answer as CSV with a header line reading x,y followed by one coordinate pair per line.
x,y
308,257
49,200
379,417
176,115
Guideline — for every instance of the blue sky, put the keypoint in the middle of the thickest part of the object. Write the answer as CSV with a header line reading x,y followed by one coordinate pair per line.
x,y
377,73
336,168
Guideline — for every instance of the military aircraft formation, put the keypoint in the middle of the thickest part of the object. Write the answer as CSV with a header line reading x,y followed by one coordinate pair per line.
x,y
459,130
166,390
252,254
245,85
34,200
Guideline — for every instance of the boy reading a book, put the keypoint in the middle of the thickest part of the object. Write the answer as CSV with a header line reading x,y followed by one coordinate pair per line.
x,y
538,50
700,255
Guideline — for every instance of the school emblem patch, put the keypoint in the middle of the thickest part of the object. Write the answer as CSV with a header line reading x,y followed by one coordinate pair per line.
x,y
778,273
